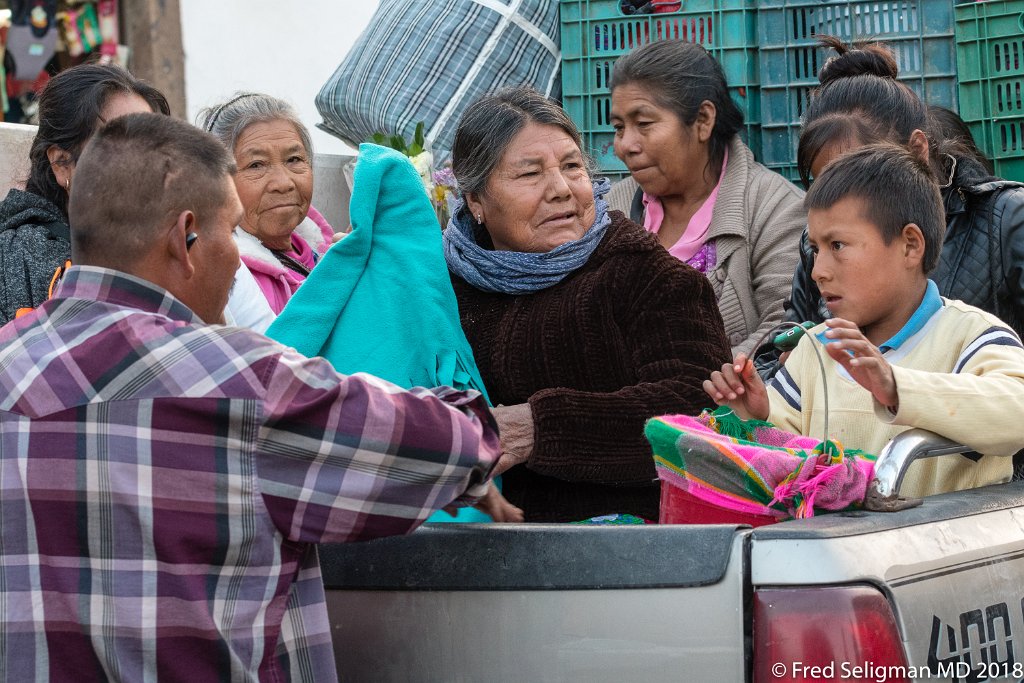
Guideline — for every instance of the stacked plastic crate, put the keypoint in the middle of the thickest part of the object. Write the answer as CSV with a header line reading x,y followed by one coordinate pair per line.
x,y
919,31
990,61
596,33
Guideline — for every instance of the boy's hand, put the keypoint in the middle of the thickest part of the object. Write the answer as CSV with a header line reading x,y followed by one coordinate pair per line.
x,y
740,387
866,365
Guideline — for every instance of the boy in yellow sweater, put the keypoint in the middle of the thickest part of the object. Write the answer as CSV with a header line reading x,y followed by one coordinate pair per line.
x,y
897,355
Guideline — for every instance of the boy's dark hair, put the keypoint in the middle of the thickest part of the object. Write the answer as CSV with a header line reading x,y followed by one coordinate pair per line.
x,y
896,187
134,175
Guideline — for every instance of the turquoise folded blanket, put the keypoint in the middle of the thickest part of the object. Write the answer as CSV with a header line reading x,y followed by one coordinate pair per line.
x,y
380,301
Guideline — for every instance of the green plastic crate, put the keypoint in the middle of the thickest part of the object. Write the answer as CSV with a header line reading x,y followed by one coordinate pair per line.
x,y
595,33
920,33
990,61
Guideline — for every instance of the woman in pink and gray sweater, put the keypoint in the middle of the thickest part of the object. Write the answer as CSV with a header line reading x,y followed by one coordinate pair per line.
x,y
697,187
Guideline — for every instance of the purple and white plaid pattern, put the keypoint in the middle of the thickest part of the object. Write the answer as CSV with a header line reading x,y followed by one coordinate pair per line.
x,y
162,483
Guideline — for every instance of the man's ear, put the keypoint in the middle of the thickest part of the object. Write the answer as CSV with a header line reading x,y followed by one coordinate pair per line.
x,y
705,123
913,244
62,165
918,144
177,249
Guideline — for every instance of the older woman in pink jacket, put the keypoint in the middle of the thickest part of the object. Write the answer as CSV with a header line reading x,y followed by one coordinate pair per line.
x,y
280,236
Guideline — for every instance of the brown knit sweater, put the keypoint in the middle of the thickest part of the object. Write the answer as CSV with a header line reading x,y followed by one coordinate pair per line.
x,y
629,336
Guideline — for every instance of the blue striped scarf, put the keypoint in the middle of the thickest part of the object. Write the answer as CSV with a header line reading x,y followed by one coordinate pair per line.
x,y
516,272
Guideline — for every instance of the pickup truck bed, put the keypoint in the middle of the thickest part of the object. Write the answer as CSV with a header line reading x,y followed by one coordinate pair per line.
x,y
667,602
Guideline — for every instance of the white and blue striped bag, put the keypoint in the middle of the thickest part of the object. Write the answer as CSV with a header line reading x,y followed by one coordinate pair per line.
x,y
427,60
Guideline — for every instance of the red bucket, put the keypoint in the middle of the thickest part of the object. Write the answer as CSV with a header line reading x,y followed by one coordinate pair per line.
x,y
679,507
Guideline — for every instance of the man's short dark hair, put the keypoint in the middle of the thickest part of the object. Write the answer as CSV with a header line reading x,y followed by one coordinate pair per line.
x,y
137,173
896,187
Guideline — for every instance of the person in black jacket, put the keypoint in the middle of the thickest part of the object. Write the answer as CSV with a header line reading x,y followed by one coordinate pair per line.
x,y
34,233
860,102
946,124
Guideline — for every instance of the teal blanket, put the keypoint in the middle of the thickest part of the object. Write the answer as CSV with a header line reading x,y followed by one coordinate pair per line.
x,y
380,301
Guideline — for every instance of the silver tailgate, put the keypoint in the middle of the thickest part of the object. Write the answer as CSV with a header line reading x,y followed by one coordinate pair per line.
x,y
540,603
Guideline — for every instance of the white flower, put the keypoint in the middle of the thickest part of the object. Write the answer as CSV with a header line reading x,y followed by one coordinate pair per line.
x,y
424,163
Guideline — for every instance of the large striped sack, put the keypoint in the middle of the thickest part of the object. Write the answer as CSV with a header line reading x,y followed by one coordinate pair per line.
x,y
427,60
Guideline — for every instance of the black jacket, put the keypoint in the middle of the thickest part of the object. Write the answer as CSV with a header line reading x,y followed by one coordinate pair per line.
x,y
982,258
34,241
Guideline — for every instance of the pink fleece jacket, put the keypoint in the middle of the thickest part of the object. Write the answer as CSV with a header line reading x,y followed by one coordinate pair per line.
x,y
311,238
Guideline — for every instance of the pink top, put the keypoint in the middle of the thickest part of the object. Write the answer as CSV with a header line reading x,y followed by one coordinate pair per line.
x,y
691,241
275,280
280,286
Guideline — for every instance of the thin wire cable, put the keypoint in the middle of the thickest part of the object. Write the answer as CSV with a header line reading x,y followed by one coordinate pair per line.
x,y
788,325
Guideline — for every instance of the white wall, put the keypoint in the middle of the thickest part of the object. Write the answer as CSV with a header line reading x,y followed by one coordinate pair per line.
x,y
285,48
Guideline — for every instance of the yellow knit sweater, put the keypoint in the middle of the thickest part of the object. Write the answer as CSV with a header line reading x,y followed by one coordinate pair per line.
x,y
961,376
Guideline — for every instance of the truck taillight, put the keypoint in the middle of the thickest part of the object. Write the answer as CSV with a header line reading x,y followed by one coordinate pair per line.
x,y
826,634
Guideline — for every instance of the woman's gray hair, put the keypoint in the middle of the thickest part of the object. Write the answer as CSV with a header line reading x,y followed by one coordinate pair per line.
x,y
487,127
227,120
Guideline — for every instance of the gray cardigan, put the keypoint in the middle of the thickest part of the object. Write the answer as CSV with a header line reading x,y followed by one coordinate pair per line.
x,y
756,225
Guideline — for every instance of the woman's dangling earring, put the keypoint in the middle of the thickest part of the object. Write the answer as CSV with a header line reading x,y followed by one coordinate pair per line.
x,y
479,219
67,185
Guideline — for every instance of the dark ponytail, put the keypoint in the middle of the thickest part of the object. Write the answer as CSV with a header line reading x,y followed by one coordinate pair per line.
x,y
870,59
862,80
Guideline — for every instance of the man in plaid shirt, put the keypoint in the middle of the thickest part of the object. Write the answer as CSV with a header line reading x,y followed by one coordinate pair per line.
x,y
163,482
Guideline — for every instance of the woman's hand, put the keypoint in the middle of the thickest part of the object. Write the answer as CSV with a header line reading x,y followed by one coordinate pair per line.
x,y
850,348
739,386
515,428
493,504
499,509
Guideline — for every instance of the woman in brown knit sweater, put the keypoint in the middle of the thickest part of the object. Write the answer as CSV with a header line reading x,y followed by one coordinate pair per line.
x,y
582,325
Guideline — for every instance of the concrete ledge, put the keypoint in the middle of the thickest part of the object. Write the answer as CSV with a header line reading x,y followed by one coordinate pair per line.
x,y
15,141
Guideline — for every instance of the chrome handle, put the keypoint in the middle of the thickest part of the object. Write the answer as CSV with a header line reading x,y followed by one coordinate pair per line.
x,y
896,458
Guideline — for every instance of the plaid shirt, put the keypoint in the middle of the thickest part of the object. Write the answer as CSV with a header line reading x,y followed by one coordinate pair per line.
x,y
162,483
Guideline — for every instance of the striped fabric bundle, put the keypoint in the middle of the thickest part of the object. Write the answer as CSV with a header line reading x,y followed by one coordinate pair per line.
x,y
754,468
427,60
